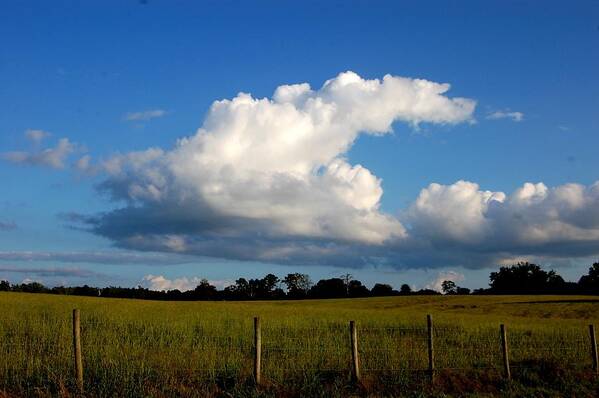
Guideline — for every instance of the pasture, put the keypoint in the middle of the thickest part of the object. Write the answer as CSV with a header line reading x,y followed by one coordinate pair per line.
x,y
151,348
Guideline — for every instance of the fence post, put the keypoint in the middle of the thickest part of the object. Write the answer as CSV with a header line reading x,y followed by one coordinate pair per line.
x,y
355,364
257,351
431,354
594,349
77,350
506,359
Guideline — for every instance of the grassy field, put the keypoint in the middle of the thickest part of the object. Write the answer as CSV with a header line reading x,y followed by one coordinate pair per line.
x,y
147,348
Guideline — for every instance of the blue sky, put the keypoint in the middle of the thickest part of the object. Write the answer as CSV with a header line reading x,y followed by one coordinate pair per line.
x,y
82,70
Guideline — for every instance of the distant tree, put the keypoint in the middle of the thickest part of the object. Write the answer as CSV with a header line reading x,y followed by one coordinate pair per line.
x,y
381,289
242,289
526,278
346,278
31,287
85,290
174,294
449,287
405,289
298,285
4,286
267,286
278,294
205,291
590,283
463,290
329,288
357,289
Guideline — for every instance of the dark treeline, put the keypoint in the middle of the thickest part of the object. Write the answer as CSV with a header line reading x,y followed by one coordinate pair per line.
x,y
521,278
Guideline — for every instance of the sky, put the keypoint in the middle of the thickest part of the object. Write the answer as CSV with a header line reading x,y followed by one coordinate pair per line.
x,y
156,143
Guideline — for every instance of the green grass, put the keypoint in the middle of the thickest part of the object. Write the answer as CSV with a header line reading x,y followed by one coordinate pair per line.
x,y
148,348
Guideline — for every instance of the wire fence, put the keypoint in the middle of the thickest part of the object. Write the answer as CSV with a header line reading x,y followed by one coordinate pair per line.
x,y
204,351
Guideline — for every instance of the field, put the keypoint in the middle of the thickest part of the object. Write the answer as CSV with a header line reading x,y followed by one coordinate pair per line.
x,y
149,348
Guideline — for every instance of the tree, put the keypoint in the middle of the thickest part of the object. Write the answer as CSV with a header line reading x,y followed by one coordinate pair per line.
x,y
347,278
381,289
449,287
298,285
590,283
4,286
357,289
205,290
463,290
31,287
329,288
405,289
526,278
86,290
267,285
242,289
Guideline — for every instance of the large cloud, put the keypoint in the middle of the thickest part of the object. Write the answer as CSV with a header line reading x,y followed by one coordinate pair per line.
x,y
534,220
266,178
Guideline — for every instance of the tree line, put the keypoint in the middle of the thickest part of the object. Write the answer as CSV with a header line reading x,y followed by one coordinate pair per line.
x,y
521,278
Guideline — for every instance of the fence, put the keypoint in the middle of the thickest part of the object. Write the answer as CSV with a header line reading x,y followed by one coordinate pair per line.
x,y
351,348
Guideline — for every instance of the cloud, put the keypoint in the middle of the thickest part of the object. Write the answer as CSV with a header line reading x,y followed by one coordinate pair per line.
x,y
84,166
506,114
145,115
437,283
533,220
7,226
50,157
51,272
36,136
267,178
107,257
160,283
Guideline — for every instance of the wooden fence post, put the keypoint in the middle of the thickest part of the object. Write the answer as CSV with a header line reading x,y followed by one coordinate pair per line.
x,y
506,359
77,350
431,354
257,351
355,364
594,349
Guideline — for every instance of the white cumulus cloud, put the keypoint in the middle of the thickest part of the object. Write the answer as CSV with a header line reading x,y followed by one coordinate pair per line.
x,y
272,170
267,179
534,219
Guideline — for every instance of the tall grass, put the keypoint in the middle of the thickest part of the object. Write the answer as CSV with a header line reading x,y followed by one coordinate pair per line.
x,y
144,348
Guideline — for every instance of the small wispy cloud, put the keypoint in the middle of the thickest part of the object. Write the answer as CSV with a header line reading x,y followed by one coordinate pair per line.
x,y
53,157
36,136
7,226
506,114
563,128
50,272
102,257
145,115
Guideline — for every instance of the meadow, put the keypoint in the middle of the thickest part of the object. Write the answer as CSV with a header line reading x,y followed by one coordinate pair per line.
x,y
153,348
